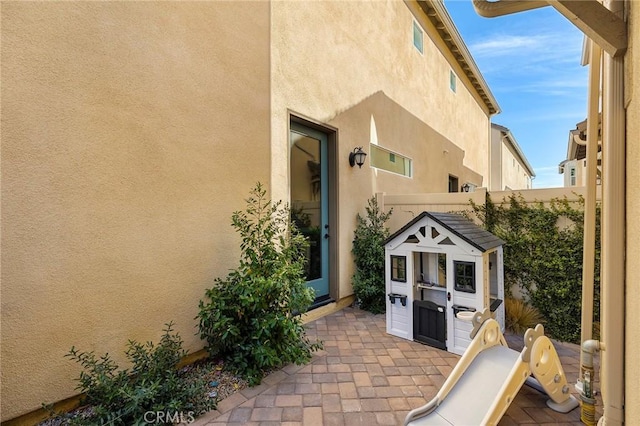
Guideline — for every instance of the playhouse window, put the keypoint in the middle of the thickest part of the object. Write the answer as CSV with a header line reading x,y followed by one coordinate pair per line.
x,y
399,268
465,276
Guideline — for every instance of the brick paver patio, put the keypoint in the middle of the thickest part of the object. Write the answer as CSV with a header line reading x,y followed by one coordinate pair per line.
x,y
366,377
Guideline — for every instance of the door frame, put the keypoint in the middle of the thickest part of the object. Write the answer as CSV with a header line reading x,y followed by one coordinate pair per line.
x,y
332,179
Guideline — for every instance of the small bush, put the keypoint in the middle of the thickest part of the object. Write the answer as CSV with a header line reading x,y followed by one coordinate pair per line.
x,y
122,397
368,250
250,318
520,316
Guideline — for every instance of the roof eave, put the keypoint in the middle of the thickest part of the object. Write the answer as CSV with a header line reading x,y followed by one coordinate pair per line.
x,y
440,18
516,147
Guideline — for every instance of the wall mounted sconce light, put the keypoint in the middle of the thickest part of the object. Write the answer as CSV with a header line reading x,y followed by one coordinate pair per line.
x,y
357,157
466,187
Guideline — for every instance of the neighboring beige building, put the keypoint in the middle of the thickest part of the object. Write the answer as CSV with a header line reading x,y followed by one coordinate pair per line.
x,y
574,168
132,130
509,166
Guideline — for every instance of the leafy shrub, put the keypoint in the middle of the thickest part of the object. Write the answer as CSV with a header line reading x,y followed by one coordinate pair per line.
x,y
368,250
519,315
122,397
543,255
250,317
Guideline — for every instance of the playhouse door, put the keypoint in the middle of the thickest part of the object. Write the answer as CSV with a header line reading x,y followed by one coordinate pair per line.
x,y
464,292
399,293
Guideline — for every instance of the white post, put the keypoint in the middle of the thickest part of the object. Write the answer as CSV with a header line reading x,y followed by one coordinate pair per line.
x,y
590,200
613,238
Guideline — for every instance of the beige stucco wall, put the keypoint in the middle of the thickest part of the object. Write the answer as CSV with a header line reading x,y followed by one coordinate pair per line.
x,y
387,124
580,173
514,175
507,171
356,51
130,132
632,294
494,182
433,157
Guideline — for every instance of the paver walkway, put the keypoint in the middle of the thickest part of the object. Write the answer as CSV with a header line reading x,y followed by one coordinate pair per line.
x,y
366,377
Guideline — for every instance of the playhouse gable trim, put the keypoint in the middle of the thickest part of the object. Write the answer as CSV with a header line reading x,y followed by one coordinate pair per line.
x,y
455,224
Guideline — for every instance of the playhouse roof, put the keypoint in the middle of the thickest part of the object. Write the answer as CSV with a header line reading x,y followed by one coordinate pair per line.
x,y
458,225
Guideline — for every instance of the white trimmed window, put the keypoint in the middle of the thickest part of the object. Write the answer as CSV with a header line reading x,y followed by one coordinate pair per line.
x,y
453,81
390,161
418,37
399,268
572,176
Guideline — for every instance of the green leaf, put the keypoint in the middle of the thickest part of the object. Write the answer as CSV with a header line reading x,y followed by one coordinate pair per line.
x,y
246,316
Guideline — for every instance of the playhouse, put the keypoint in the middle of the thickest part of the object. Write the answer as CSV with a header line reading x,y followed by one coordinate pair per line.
x,y
437,267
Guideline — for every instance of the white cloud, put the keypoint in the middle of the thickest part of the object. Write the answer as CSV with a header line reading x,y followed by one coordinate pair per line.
x,y
547,169
504,45
546,116
543,64
547,177
531,62
554,85
526,53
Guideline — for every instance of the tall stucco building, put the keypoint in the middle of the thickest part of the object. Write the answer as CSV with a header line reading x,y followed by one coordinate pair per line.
x,y
510,168
574,168
132,130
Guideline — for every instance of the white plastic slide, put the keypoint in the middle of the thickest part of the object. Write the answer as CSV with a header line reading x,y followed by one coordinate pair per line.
x,y
487,378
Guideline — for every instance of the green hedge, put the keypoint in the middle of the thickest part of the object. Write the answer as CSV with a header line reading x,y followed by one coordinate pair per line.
x,y
368,251
251,318
543,255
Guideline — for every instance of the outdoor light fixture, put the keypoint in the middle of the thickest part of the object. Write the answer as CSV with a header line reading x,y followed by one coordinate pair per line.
x,y
357,157
466,187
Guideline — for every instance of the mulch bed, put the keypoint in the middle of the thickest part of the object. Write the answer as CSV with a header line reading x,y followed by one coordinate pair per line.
x,y
220,384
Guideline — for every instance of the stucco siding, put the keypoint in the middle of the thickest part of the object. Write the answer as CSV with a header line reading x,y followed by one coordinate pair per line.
x,y
513,172
508,169
130,132
632,294
495,163
335,62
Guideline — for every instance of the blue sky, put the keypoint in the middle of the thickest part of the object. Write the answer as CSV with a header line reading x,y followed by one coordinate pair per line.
x,y
531,61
